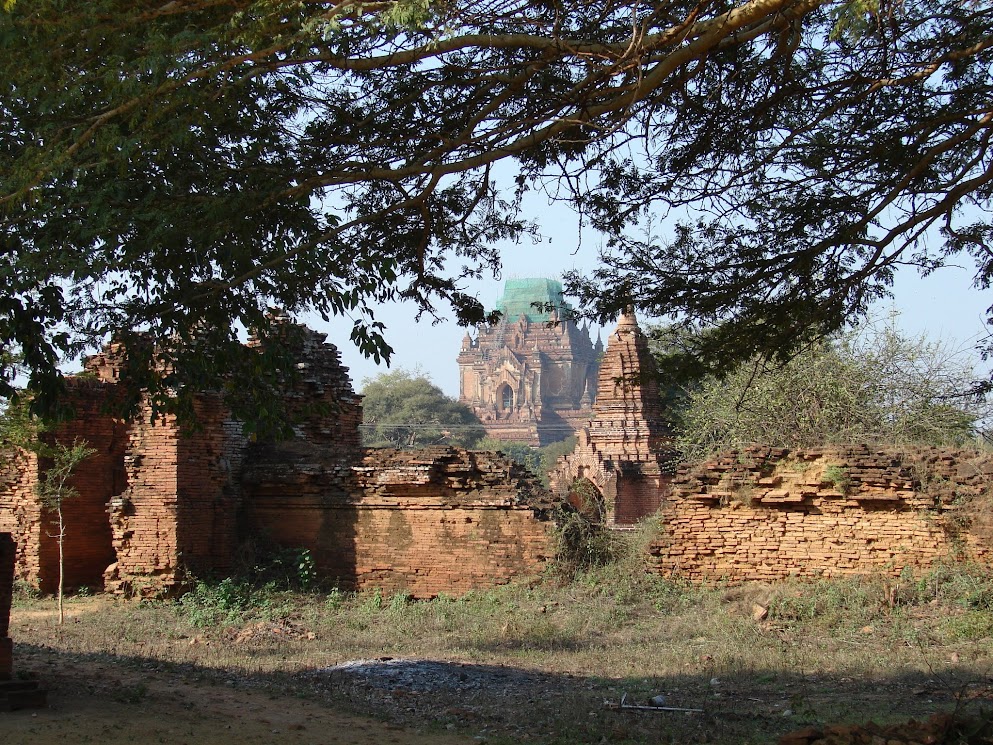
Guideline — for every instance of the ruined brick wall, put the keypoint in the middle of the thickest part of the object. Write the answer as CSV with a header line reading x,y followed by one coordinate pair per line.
x,y
639,494
144,517
440,520
209,459
7,553
320,401
87,545
179,513
768,513
20,511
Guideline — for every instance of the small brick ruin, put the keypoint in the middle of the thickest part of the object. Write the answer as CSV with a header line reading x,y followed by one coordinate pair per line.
x,y
159,503
769,513
426,522
623,452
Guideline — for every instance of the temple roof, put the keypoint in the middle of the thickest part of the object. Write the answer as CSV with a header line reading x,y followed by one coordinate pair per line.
x,y
520,295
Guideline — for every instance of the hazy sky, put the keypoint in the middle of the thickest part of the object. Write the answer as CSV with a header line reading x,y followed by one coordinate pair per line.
x,y
943,305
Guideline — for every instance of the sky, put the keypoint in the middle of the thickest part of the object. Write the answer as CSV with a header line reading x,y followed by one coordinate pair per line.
x,y
943,305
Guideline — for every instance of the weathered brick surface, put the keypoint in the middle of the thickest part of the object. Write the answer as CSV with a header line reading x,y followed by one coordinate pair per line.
x,y
441,520
7,554
768,513
179,513
622,451
428,521
21,512
87,543
321,403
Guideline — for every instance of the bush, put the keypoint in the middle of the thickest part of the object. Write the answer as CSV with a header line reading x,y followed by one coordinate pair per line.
x,y
226,602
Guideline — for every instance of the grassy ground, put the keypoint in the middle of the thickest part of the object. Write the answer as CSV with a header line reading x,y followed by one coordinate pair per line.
x,y
760,660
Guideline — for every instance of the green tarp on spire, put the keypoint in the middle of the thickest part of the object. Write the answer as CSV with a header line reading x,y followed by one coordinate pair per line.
x,y
519,296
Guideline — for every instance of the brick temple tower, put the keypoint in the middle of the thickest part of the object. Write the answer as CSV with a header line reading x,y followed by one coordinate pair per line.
x,y
624,451
532,376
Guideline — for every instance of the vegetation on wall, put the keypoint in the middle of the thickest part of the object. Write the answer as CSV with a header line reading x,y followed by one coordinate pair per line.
x,y
538,460
875,385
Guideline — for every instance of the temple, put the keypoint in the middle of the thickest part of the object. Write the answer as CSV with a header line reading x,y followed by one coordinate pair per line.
x,y
531,377
621,465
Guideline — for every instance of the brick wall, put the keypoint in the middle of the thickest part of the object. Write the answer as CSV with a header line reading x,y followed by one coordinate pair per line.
x,y
143,518
766,514
20,511
440,520
179,512
87,544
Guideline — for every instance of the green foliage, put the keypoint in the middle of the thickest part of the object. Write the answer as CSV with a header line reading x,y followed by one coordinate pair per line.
x,y
527,456
224,602
286,569
407,14
583,540
854,19
839,477
871,386
53,486
537,460
403,409
553,451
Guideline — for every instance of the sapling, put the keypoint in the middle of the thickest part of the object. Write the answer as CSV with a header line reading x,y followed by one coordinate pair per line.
x,y
54,490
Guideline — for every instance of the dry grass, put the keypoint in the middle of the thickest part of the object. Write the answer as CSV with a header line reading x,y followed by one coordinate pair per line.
x,y
841,650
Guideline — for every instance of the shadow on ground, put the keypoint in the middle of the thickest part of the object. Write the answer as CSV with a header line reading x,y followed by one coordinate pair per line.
x,y
108,699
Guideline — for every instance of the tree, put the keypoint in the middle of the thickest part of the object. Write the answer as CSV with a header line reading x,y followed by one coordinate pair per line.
x,y
170,170
55,489
874,386
401,409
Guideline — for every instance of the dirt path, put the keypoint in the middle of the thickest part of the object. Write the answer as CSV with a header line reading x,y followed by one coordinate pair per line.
x,y
102,703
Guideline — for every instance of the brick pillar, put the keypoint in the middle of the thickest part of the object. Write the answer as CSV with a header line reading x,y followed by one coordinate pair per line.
x,y
6,593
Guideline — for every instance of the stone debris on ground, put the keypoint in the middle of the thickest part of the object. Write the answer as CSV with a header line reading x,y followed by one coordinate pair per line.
x,y
420,675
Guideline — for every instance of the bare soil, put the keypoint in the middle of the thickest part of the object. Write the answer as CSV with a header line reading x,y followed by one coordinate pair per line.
x,y
98,702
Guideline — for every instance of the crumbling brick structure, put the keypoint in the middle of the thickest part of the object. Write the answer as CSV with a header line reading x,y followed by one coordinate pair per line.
x,y
431,521
623,452
181,501
180,515
769,513
87,544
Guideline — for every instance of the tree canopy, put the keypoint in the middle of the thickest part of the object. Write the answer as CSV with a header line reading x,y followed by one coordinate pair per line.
x,y
170,170
402,409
